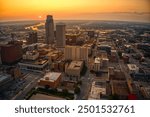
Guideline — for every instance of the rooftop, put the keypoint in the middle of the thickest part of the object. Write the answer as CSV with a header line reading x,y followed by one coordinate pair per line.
x,y
120,88
35,62
51,76
132,66
75,65
97,89
4,77
45,97
97,60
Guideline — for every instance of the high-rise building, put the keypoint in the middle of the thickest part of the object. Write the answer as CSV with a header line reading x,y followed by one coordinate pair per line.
x,y
76,53
60,35
32,38
49,27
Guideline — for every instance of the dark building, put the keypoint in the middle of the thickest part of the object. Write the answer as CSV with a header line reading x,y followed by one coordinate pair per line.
x,y
33,38
49,29
71,39
91,34
106,48
11,53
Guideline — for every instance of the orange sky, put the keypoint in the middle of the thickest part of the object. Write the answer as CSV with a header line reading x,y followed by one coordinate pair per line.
x,y
73,9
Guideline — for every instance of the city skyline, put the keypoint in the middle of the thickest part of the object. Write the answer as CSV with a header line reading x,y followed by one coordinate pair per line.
x,y
123,10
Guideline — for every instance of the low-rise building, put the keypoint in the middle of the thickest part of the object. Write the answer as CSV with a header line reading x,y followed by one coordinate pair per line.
x,y
31,55
120,88
89,46
125,57
76,53
50,80
98,89
114,56
74,69
115,74
97,64
39,65
133,68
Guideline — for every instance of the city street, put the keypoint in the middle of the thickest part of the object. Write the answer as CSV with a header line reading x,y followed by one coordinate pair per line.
x,y
31,79
86,86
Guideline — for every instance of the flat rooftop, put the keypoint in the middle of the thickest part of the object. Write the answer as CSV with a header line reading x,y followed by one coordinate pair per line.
x,y
35,62
75,65
97,89
97,60
120,88
132,66
4,77
51,76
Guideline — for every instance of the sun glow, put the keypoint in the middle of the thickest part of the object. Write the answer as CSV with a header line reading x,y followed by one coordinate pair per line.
x,y
63,9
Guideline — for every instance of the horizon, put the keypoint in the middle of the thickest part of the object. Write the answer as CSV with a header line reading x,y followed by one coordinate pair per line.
x,y
37,20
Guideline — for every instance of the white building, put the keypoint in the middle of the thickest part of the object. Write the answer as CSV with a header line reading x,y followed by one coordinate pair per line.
x,y
133,68
31,55
97,64
60,35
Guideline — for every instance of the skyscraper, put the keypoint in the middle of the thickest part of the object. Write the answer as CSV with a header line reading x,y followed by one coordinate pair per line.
x,y
49,27
60,35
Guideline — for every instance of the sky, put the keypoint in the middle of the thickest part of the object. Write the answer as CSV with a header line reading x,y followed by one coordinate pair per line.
x,y
132,10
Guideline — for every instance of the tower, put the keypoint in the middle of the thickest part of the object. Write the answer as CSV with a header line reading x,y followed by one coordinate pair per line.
x,y
49,27
60,35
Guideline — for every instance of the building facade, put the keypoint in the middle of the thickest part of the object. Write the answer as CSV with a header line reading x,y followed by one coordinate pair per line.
x,y
60,35
51,80
49,29
76,53
33,38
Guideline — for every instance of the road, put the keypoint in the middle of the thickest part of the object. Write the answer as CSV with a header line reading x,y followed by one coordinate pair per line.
x,y
30,84
86,86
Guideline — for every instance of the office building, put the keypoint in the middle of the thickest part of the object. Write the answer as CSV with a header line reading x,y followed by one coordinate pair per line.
x,y
60,35
98,90
49,27
71,39
11,53
32,38
120,88
39,65
76,53
74,69
51,80
97,64
31,55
